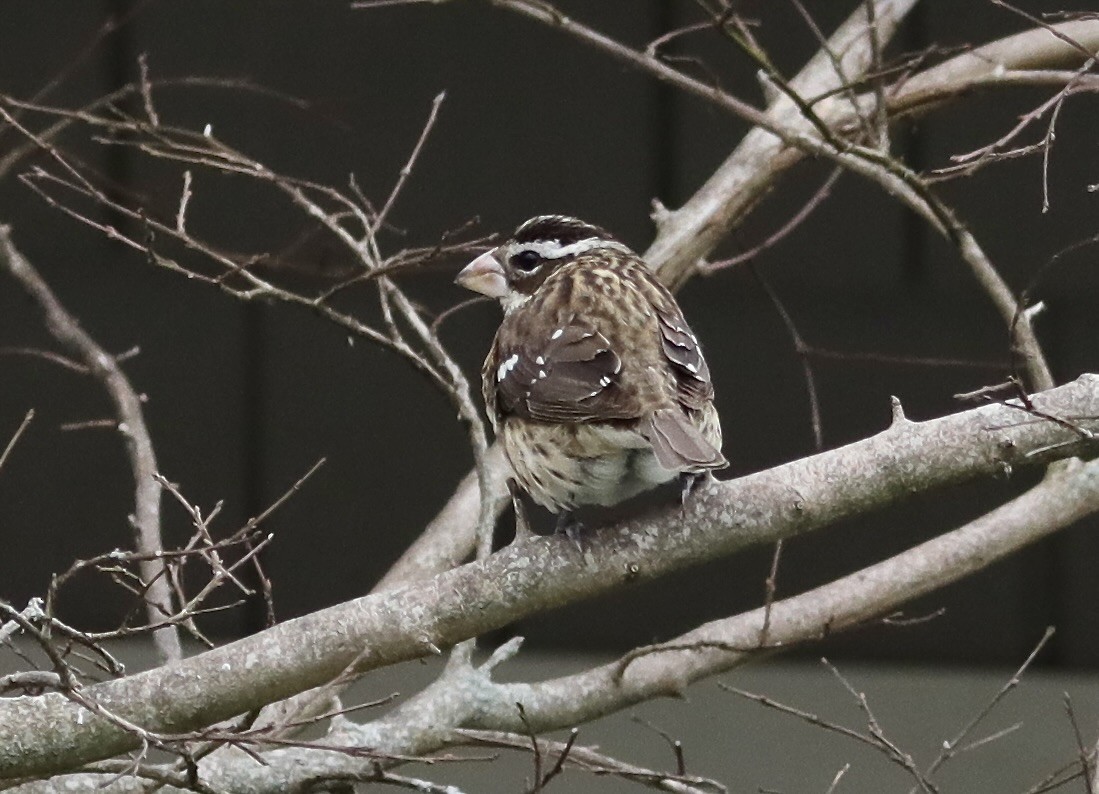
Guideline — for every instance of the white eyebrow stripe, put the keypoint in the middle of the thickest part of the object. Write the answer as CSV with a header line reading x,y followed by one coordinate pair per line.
x,y
552,249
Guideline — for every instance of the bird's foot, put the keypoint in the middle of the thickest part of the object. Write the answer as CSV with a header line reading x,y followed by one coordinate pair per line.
x,y
689,483
571,527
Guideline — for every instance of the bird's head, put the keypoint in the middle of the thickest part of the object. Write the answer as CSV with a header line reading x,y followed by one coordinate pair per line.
x,y
512,271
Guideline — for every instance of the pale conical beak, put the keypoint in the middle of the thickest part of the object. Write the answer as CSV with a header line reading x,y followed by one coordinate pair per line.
x,y
485,275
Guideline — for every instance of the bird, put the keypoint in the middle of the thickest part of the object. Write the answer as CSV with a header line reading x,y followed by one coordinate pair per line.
x,y
594,383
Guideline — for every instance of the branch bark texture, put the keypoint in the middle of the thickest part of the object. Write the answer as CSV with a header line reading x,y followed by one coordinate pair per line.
x,y
49,733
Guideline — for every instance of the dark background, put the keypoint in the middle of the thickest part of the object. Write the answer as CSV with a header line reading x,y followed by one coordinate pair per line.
x,y
243,399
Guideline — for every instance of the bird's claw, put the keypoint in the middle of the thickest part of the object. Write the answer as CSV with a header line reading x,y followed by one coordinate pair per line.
x,y
571,527
689,482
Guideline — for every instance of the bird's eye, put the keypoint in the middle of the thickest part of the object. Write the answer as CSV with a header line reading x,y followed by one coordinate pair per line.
x,y
526,260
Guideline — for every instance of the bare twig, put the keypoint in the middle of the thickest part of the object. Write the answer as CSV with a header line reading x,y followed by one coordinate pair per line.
x,y
893,176
836,780
792,223
46,355
379,221
1083,755
801,714
951,746
536,750
881,110
131,424
184,200
770,587
675,744
802,350
877,737
147,90
563,756
873,738
589,760
15,437
1057,778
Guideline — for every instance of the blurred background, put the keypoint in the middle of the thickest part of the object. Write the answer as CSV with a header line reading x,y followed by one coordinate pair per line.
x,y
243,399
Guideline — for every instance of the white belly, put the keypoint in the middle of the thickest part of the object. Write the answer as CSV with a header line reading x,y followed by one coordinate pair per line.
x,y
585,464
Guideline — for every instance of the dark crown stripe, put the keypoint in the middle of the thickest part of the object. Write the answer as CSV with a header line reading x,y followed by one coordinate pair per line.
x,y
562,228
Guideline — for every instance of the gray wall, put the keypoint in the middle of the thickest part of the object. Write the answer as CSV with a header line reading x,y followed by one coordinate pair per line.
x,y
243,399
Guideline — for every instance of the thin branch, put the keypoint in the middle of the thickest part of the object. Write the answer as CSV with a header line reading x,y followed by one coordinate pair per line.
x,y
836,780
1083,755
783,231
770,588
675,745
807,717
877,736
46,355
881,110
536,750
15,437
951,746
131,424
802,351
590,760
407,170
147,89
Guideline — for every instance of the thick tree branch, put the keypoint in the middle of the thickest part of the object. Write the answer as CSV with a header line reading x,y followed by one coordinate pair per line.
x,y
48,733
1069,494
131,424
1024,58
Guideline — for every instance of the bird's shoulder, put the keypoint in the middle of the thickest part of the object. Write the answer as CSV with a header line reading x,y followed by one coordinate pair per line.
x,y
600,340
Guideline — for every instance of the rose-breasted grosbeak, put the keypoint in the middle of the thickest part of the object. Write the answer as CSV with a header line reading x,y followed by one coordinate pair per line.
x,y
595,384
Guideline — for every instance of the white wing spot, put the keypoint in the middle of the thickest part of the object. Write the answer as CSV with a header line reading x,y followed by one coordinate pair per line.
x,y
541,373
604,381
507,366
539,361
557,334
691,368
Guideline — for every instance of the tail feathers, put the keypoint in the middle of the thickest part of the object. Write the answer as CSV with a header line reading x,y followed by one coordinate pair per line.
x,y
678,444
